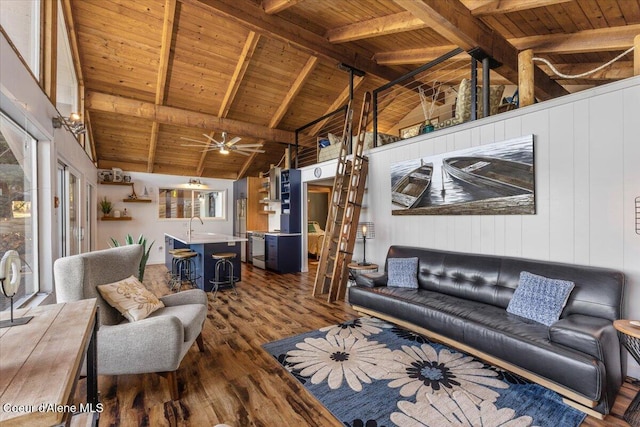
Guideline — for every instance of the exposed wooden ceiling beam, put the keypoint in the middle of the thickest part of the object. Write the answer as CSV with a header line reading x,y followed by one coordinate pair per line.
x,y
454,22
98,101
390,24
337,103
163,67
293,91
413,56
600,40
284,106
234,84
274,6
92,141
247,163
497,7
238,74
253,17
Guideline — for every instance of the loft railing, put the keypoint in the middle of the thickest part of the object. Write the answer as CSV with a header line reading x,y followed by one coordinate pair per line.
x,y
436,95
320,132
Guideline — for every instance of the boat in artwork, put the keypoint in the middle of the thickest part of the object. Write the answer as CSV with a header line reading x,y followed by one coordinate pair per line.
x,y
506,177
410,189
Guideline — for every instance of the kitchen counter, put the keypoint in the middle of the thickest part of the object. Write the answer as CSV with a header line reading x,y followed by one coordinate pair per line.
x,y
202,238
205,245
277,233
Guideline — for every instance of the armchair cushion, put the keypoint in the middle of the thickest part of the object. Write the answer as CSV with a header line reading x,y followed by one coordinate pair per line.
x,y
130,298
190,315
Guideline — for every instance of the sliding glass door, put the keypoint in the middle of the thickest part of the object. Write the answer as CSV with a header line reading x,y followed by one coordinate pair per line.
x,y
19,205
69,220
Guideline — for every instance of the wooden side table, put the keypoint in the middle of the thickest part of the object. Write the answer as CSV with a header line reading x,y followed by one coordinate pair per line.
x,y
630,337
41,363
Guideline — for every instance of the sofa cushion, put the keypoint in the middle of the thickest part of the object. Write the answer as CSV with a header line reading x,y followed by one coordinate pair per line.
x,y
540,298
130,298
403,272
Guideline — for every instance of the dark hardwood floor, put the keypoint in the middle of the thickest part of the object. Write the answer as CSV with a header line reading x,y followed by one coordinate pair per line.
x,y
236,382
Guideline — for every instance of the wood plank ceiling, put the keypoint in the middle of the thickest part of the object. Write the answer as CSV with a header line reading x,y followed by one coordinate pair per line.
x,y
158,70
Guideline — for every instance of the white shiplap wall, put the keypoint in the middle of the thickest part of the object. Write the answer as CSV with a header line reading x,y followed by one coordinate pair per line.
x,y
587,165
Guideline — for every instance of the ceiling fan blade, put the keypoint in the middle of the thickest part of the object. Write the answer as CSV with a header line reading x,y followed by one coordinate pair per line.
x,y
211,139
233,141
241,152
248,145
251,150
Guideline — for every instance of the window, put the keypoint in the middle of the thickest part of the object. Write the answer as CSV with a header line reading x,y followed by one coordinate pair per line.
x,y
181,203
18,204
66,81
21,21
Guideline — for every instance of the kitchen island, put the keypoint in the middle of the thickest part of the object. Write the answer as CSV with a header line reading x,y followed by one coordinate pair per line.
x,y
205,245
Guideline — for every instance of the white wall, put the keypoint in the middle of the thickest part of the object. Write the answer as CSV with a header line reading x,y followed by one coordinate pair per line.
x,y
145,215
587,166
22,99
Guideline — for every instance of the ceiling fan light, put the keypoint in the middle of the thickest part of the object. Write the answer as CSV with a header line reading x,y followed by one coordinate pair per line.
x,y
223,150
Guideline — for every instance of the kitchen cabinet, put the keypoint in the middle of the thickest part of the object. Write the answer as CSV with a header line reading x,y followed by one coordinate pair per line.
x,y
282,252
290,201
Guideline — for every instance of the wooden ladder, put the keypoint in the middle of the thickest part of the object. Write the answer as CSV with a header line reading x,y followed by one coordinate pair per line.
x,y
344,212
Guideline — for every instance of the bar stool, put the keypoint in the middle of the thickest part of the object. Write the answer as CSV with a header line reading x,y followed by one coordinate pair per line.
x,y
183,268
223,263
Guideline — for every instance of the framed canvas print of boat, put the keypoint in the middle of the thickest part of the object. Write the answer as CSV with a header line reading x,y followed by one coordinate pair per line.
x,y
493,179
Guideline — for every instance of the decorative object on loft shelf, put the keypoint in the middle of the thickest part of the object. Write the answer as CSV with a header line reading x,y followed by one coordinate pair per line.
x,y
366,230
492,179
224,146
72,123
10,281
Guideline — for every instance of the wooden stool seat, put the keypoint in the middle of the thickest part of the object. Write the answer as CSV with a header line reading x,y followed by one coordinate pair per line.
x,y
185,255
175,251
224,255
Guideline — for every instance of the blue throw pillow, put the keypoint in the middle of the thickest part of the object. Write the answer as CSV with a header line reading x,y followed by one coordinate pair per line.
x,y
539,298
402,272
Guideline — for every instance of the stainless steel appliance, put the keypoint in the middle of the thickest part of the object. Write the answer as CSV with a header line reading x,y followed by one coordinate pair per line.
x,y
240,225
257,249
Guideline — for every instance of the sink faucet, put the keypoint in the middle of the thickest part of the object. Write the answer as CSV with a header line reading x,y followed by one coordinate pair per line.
x,y
190,230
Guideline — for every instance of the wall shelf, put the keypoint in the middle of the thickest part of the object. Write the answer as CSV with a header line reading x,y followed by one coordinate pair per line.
x,y
115,183
111,218
136,200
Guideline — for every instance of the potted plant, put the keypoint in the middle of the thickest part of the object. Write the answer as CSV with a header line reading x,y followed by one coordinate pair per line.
x,y
145,251
105,206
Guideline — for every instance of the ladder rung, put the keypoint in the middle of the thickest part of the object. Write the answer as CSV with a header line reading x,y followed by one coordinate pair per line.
x,y
346,252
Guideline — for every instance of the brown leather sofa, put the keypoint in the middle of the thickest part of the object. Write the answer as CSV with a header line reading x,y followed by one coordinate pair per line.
x,y
462,298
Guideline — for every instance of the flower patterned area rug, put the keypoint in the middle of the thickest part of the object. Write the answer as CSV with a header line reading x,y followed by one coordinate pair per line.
x,y
371,373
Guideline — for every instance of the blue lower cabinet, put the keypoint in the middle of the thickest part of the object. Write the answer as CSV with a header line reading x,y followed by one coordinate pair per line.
x,y
282,253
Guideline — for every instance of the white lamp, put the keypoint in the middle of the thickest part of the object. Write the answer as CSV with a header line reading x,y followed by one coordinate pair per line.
x,y
10,281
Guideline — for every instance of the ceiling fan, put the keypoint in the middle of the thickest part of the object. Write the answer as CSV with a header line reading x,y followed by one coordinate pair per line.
x,y
224,146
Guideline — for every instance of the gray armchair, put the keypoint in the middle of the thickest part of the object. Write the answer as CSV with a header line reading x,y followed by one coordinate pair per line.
x,y
155,344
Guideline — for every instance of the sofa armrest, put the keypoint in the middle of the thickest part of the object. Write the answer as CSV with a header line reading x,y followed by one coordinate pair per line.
x,y
591,335
372,280
192,296
149,345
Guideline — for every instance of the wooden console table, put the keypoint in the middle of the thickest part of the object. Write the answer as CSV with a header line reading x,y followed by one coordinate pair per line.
x,y
41,361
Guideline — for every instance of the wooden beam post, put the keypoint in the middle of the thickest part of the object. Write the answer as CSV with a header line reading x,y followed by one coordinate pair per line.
x,y
636,55
525,78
